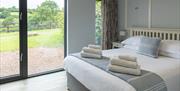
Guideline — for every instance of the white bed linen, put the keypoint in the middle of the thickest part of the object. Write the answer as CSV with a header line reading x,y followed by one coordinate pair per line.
x,y
96,79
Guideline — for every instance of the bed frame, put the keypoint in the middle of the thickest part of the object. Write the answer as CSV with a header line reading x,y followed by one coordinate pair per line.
x,y
165,34
73,84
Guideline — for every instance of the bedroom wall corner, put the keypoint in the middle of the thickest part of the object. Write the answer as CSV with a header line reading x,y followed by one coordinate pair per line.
x,y
121,18
80,24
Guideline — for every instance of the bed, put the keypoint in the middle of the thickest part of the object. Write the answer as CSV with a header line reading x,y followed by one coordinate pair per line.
x,y
83,76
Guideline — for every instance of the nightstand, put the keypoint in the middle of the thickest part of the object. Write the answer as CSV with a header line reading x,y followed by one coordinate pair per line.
x,y
117,45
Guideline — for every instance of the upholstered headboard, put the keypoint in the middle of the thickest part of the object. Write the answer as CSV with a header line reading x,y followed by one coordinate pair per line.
x,y
164,34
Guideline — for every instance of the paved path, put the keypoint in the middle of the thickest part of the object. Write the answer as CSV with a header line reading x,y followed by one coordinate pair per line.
x,y
40,59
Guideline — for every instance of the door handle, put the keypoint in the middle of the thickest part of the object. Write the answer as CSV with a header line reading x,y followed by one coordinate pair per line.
x,y
20,16
21,57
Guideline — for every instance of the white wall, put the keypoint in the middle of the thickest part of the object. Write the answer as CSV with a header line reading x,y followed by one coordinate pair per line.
x,y
166,13
121,14
80,24
150,13
137,13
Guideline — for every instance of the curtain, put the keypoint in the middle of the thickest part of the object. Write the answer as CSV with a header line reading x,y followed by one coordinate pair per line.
x,y
110,23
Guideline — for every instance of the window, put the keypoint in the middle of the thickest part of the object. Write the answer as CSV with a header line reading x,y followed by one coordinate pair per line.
x,y
98,22
32,40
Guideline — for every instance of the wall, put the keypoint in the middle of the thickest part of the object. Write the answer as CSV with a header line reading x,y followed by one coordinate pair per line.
x,y
149,13
121,13
137,13
80,24
166,13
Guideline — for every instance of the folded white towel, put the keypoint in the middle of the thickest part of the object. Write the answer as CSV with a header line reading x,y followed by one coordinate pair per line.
x,y
127,57
92,50
90,55
94,46
124,63
125,70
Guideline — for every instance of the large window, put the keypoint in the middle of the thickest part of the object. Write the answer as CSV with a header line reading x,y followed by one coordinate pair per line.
x,y
9,38
31,38
45,35
98,22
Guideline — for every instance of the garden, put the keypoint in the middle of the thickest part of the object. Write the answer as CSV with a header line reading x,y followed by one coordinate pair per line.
x,y
45,27
45,38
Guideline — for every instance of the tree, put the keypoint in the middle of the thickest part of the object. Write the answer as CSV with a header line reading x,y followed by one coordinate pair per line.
x,y
2,9
98,22
13,9
8,21
5,13
33,21
45,14
60,19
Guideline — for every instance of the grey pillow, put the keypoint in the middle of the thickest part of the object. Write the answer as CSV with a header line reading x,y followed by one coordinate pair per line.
x,y
149,46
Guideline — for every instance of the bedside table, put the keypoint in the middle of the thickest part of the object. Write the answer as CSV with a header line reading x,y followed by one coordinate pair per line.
x,y
117,45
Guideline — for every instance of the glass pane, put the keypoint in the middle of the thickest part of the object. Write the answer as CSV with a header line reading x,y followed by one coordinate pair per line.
x,y
98,22
45,35
9,38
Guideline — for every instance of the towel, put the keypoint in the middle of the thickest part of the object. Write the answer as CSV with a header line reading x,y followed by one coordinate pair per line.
x,y
127,57
90,55
125,70
121,62
92,50
94,46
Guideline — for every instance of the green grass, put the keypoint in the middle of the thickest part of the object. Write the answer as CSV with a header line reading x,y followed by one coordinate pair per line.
x,y
44,38
15,13
9,41
1,20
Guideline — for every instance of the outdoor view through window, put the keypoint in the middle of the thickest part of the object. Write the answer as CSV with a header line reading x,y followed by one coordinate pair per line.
x,y
45,36
98,22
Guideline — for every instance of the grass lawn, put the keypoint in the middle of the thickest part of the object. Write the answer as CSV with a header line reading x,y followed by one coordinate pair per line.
x,y
1,20
42,38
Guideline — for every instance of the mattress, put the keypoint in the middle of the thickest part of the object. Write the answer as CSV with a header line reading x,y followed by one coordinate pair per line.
x,y
97,80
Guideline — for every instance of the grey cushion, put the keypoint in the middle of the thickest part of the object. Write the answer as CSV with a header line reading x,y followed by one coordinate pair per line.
x,y
149,46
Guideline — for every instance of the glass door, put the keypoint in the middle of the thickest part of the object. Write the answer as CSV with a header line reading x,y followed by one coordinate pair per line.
x,y
31,38
9,39
45,35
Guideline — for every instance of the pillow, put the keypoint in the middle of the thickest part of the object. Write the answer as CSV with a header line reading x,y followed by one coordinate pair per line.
x,y
131,47
149,46
170,48
132,41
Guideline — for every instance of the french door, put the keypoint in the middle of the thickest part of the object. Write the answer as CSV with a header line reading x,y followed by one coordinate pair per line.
x,y
10,41
32,38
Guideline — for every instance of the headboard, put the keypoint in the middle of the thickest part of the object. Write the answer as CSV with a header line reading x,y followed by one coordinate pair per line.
x,y
164,34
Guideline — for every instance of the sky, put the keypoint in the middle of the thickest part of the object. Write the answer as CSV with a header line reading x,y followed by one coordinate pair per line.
x,y
32,4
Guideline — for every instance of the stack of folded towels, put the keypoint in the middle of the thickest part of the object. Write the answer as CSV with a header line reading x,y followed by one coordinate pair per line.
x,y
124,64
92,51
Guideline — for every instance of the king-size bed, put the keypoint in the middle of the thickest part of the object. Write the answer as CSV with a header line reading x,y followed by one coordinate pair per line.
x,y
83,76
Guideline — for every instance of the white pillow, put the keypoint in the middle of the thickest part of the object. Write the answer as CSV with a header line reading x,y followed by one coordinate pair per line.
x,y
170,48
132,41
131,47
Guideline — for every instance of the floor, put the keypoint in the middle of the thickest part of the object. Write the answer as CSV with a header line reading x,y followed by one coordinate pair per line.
x,y
52,82
39,60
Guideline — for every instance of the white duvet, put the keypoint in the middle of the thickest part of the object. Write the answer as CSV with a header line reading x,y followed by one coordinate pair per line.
x,y
97,80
